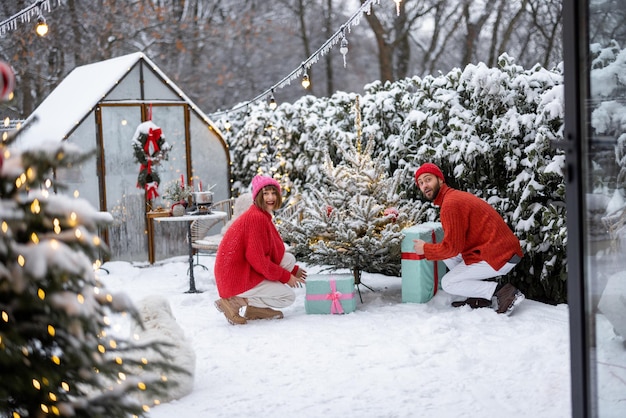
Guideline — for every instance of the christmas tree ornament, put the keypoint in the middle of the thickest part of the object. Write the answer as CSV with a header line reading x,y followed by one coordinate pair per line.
x,y
7,81
150,148
392,213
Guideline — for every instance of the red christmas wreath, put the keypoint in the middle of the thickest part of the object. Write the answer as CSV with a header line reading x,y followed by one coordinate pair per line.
x,y
150,148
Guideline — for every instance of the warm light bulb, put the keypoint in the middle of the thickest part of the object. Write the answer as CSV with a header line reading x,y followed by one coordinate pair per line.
x,y
306,83
273,103
42,26
227,125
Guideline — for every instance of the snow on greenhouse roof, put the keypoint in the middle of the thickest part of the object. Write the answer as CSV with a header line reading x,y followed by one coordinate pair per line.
x,y
77,95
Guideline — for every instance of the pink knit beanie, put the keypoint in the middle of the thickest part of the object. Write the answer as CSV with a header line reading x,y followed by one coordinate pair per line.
x,y
259,182
429,168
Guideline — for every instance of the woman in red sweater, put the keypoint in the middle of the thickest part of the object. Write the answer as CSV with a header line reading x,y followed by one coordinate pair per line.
x,y
477,245
252,269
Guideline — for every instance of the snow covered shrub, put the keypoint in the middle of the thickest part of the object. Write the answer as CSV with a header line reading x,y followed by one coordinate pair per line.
x,y
495,130
492,131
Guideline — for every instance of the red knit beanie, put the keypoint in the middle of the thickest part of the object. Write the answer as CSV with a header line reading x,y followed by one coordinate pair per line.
x,y
429,168
259,182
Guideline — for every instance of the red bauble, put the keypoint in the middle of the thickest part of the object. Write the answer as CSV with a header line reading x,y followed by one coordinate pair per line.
x,y
7,81
329,210
393,212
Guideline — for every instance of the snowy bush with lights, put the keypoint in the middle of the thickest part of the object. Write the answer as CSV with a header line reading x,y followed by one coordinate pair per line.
x,y
54,313
491,130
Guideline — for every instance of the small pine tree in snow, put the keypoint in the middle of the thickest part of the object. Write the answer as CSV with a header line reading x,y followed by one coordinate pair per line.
x,y
354,220
56,356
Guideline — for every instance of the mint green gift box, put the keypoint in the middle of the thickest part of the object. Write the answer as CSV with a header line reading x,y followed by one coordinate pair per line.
x,y
421,278
329,294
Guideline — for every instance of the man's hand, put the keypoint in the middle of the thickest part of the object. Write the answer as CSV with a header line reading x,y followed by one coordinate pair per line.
x,y
418,246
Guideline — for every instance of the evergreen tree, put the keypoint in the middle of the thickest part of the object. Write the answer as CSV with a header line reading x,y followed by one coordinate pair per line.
x,y
56,354
355,219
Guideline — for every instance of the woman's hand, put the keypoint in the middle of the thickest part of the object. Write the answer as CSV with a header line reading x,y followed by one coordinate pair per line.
x,y
295,281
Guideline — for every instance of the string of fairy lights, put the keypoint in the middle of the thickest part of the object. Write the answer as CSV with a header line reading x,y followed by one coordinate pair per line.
x,y
340,36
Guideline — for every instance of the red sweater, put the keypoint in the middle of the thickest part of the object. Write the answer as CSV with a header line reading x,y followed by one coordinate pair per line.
x,y
250,251
472,228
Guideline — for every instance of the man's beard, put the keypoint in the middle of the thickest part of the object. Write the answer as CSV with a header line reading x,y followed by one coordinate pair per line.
x,y
436,189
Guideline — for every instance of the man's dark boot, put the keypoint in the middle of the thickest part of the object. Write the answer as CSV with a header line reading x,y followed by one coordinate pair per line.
x,y
473,303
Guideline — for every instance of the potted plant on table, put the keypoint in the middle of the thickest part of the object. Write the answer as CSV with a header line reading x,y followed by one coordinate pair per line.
x,y
178,194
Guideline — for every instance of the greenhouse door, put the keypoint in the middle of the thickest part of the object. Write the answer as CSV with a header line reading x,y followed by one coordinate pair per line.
x,y
127,236
595,142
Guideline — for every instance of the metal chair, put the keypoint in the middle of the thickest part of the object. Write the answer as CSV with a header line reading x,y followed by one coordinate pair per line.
x,y
204,243
200,240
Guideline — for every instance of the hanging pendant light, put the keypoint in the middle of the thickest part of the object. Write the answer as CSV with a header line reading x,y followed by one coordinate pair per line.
x,y
344,49
272,103
42,27
306,82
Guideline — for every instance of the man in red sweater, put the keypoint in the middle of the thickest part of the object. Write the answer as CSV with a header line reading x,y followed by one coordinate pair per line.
x,y
477,245
252,269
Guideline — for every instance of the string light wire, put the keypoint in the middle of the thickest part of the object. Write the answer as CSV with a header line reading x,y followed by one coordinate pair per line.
x,y
354,20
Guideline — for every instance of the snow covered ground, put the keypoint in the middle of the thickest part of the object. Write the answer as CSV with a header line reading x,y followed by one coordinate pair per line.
x,y
386,359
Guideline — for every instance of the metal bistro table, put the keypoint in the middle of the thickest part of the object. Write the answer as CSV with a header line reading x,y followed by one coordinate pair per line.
x,y
217,215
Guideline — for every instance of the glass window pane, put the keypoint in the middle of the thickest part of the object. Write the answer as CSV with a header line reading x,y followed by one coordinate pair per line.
x,y
605,273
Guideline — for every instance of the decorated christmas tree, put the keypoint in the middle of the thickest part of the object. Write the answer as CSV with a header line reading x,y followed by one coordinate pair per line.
x,y
355,219
57,355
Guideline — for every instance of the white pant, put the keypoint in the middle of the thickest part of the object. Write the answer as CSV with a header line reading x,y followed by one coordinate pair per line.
x,y
271,293
469,280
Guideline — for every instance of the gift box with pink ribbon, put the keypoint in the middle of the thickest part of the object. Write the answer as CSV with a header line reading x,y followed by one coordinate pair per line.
x,y
420,277
330,294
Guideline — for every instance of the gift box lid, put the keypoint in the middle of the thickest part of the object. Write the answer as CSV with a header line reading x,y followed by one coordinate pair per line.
x,y
320,283
422,228
421,231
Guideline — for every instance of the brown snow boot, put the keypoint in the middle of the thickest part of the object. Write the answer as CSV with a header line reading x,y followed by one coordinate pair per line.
x,y
252,312
230,308
506,299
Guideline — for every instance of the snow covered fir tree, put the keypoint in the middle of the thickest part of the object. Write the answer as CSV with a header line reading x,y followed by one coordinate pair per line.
x,y
58,356
353,218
